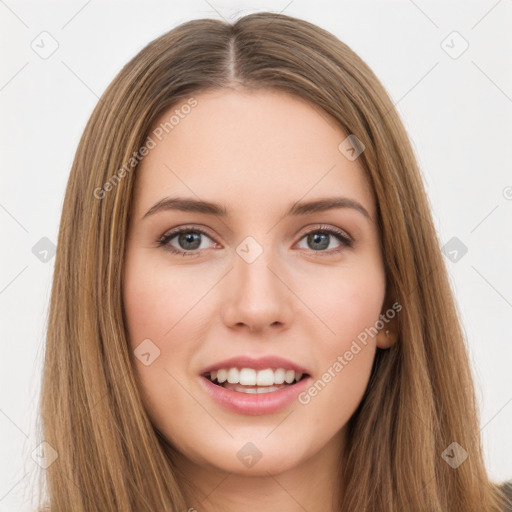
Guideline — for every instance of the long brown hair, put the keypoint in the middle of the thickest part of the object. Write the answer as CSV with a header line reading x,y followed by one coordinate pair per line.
x,y
420,397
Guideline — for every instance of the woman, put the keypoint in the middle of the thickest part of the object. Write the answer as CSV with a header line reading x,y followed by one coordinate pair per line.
x,y
250,310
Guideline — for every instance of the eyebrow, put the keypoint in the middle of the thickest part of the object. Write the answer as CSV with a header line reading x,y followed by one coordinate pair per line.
x,y
298,208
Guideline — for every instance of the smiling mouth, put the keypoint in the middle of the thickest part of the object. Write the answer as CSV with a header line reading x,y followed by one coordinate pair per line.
x,y
248,380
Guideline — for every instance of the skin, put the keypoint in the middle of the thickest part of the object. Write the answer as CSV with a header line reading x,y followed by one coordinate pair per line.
x,y
256,153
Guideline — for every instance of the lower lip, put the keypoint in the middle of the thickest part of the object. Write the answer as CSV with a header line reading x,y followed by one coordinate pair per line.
x,y
254,403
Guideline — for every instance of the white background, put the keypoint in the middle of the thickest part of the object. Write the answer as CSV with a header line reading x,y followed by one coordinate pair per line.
x,y
456,110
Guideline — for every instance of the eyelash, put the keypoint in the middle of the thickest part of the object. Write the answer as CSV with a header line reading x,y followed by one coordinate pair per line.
x,y
164,240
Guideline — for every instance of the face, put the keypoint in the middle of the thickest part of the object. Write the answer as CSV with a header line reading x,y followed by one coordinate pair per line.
x,y
254,289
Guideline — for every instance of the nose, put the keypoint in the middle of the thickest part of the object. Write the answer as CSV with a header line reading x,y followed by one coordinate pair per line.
x,y
256,296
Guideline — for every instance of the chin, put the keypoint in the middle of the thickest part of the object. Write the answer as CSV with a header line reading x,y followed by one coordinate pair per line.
x,y
256,457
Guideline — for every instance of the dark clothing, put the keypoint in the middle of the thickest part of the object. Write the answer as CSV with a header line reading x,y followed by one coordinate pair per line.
x,y
506,487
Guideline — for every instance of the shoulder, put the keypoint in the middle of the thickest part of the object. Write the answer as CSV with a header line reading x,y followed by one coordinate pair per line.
x,y
506,487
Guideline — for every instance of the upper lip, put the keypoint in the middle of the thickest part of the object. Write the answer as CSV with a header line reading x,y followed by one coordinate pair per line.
x,y
259,363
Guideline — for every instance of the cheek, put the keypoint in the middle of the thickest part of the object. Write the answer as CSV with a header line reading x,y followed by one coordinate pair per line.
x,y
157,299
349,306
162,305
347,301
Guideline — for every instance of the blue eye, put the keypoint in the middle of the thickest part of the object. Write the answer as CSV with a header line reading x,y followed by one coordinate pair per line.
x,y
188,238
190,243
321,238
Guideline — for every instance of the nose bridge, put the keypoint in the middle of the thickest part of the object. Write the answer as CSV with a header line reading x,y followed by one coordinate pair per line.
x,y
256,296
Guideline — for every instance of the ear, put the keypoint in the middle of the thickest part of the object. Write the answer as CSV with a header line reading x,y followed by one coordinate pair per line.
x,y
388,335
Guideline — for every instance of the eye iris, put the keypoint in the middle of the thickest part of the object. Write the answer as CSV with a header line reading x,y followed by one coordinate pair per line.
x,y
316,238
189,237
189,241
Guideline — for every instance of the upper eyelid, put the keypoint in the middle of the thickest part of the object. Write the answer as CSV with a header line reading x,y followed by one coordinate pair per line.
x,y
173,232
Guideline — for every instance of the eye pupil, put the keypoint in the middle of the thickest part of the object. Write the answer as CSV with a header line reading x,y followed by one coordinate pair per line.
x,y
189,241
315,238
189,238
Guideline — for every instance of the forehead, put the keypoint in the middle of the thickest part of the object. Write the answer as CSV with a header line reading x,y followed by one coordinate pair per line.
x,y
261,149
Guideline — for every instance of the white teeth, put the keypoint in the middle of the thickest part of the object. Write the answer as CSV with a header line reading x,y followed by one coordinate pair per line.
x,y
265,378
252,377
279,375
247,377
233,376
252,391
